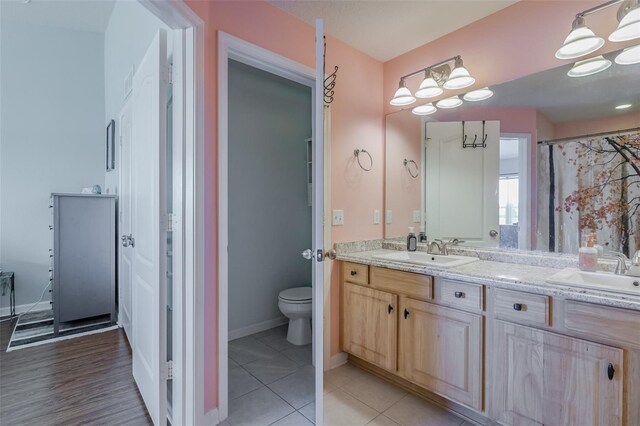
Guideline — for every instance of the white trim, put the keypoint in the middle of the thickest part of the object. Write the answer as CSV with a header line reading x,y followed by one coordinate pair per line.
x,y
327,238
524,187
230,47
257,328
45,305
338,359
189,315
61,338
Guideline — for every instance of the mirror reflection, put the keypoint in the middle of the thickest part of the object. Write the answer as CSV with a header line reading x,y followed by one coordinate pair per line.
x,y
545,161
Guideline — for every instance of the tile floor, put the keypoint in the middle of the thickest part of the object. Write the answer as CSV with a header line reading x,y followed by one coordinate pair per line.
x,y
271,382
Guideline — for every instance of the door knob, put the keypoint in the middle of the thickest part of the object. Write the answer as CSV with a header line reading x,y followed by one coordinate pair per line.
x,y
493,233
127,241
307,254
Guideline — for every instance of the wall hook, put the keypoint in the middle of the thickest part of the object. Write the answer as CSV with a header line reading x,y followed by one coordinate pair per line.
x,y
357,152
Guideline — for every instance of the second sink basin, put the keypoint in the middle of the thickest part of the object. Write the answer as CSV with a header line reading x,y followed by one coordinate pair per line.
x,y
425,259
605,281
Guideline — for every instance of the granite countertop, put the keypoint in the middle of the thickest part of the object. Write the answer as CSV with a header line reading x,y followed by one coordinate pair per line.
x,y
506,275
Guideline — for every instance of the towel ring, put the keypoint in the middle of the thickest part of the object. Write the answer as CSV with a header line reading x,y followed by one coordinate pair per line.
x,y
406,164
357,153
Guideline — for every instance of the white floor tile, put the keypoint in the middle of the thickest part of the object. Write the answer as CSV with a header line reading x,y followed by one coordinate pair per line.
x,y
373,391
278,342
241,383
299,354
309,411
258,408
298,389
271,369
382,420
338,377
341,409
293,419
248,349
414,411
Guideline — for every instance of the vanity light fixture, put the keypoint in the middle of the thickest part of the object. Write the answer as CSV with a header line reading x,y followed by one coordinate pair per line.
x,y
623,106
435,78
425,109
452,102
459,77
582,41
629,56
478,95
589,66
402,96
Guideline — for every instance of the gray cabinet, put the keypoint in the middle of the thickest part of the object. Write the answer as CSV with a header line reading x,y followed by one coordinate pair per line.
x,y
83,257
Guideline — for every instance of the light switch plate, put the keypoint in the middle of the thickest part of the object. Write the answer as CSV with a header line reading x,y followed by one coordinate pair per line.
x,y
376,217
388,217
338,217
416,216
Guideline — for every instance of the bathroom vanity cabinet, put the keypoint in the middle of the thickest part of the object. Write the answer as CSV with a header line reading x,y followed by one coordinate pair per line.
x,y
494,354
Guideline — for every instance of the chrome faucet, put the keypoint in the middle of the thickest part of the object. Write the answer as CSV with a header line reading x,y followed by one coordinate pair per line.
x,y
634,271
435,244
621,267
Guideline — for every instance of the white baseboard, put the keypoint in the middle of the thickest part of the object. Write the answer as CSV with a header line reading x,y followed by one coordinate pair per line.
x,y
41,306
338,359
212,418
257,328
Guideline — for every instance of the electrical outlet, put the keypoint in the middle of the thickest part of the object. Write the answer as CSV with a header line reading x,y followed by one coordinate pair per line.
x,y
416,216
388,217
338,217
376,217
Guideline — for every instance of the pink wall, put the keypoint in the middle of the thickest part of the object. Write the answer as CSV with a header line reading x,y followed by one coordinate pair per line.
x,y
608,124
357,122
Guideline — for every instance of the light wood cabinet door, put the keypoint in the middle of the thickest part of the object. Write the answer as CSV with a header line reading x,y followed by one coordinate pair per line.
x,y
370,324
441,350
542,378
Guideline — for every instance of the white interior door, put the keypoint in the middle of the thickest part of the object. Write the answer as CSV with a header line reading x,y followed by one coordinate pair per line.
x,y
124,204
318,220
461,184
148,204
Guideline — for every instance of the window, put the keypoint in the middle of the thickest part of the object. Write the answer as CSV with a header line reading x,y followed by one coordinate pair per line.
x,y
508,199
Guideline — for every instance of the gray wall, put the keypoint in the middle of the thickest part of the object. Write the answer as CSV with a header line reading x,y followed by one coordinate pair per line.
x,y
52,139
269,218
130,30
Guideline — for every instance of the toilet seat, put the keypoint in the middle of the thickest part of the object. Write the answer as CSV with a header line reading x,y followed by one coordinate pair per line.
x,y
297,295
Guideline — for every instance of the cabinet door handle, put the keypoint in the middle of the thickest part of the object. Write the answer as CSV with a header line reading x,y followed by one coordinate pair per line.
x,y
610,371
517,306
353,273
389,308
406,314
458,294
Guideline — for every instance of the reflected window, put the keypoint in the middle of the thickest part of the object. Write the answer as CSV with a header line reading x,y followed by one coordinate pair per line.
x,y
508,199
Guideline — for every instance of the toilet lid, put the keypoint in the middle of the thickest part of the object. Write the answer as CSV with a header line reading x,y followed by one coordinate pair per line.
x,y
297,294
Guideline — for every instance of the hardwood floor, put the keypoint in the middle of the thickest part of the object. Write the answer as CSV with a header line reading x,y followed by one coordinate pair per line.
x,y
86,380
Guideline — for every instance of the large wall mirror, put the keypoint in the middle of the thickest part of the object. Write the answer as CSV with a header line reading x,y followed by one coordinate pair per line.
x,y
546,160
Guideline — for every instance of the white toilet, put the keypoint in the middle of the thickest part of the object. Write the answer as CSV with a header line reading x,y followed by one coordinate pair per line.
x,y
295,304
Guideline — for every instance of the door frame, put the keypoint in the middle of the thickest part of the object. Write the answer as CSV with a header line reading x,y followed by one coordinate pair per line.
x,y
189,219
230,47
524,187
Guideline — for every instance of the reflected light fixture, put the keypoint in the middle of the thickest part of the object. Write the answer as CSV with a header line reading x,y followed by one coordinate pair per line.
x,y
452,102
629,26
629,56
428,88
459,77
580,41
623,106
478,95
589,66
425,109
402,96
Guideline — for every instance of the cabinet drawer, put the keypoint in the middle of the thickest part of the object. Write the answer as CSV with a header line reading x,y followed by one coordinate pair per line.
x,y
356,273
414,285
521,307
460,295
604,322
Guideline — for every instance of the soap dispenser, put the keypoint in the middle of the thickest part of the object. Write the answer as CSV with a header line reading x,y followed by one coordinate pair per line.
x,y
412,241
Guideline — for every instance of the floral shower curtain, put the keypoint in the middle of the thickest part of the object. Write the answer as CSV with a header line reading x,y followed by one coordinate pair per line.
x,y
590,185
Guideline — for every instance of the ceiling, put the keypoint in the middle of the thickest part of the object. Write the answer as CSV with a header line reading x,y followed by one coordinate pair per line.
x,y
385,29
85,15
561,98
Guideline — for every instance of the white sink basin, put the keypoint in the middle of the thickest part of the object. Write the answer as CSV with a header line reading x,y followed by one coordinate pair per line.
x,y
425,259
606,281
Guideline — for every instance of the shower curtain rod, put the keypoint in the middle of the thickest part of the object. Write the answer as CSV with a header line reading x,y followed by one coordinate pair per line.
x,y
616,132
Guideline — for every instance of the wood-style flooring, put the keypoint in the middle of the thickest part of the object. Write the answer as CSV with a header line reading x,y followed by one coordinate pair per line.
x,y
86,380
